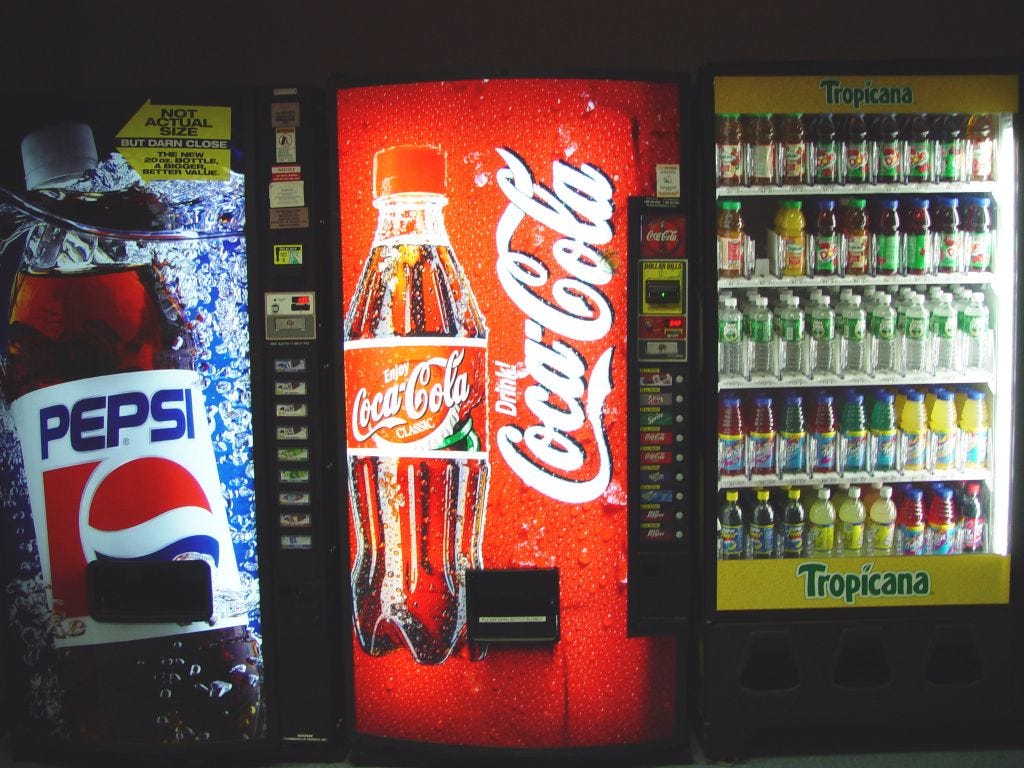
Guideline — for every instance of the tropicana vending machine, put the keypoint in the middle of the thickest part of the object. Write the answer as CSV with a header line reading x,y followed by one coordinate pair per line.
x,y
861,497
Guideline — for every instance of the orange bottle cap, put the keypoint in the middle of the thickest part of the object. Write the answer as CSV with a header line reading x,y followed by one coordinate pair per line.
x,y
408,168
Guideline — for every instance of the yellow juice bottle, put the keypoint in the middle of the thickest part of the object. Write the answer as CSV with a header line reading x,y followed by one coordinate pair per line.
x,y
790,227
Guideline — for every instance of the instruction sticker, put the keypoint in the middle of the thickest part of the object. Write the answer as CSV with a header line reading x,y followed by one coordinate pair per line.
x,y
284,144
289,254
178,141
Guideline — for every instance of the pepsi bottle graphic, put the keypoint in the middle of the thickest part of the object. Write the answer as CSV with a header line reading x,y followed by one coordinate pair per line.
x,y
100,377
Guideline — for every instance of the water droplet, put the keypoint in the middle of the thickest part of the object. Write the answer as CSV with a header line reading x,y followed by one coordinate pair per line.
x,y
165,693
584,556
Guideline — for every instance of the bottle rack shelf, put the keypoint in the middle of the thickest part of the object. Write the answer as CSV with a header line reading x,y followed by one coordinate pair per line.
x,y
983,378
854,478
847,190
771,281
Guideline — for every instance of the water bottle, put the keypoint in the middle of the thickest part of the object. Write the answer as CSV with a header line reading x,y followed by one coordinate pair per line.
x,y
762,339
730,340
943,333
975,336
822,345
791,338
853,346
915,341
882,327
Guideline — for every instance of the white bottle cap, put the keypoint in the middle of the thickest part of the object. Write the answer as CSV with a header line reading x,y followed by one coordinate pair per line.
x,y
57,153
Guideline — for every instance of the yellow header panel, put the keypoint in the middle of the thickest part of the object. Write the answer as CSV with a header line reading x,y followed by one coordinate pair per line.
x,y
867,93
859,582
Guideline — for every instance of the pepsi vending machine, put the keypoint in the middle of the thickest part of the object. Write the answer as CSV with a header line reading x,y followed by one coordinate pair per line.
x,y
162,556
509,596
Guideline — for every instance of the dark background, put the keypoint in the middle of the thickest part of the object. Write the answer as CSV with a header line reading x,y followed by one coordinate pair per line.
x,y
53,45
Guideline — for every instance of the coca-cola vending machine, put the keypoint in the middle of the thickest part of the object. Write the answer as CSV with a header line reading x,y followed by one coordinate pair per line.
x,y
163,558
519,556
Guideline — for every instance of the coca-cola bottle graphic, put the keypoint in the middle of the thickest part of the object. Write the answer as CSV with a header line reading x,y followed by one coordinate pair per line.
x,y
100,379
415,348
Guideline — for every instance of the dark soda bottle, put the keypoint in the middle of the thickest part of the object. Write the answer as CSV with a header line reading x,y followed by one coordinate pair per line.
x,y
729,145
919,152
792,451
919,237
946,225
732,540
761,156
794,525
887,149
856,238
981,143
977,227
824,436
887,238
856,151
762,527
826,151
793,145
826,240
949,158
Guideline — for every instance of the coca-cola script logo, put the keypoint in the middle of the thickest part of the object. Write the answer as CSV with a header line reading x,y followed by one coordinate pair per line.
x,y
663,236
420,405
550,455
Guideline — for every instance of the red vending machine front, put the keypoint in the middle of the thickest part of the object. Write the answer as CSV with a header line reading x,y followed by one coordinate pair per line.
x,y
484,321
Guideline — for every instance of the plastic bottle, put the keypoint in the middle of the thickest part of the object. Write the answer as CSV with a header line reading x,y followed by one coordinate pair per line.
x,y
731,239
821,349
974,335
974,431
887,238
791,338
972,519
732,540
853,435
856,239
887,151
855,150
851,522
854,357
910,523
941,533
981,147
919,152
914,433
881,523
761,150
822,524
949,152
826,151
762,438
826,240
882,435
794,525
946,225
792,447
943,333
731,357
977,227
882,327
762,528
731,438
793,149
915,341
729,144
945,433
762,339
824,436
919,240
790,226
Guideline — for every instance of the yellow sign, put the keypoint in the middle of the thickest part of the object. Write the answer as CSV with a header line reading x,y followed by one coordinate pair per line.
x,y
859,582
867,93
288,254
662,280
176,141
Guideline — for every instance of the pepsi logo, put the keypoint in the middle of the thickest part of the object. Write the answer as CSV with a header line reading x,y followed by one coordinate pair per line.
x,y
142,508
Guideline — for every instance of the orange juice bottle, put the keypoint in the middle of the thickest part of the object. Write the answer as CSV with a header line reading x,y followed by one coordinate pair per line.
x,y
790,226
